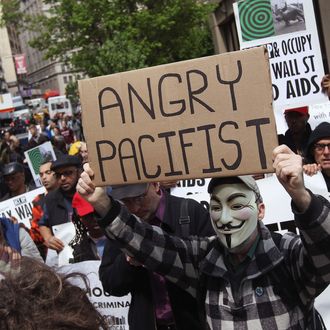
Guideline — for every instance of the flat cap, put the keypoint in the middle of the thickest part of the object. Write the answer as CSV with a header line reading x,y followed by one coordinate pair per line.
x,y
128,190
246,179
12,168
64,161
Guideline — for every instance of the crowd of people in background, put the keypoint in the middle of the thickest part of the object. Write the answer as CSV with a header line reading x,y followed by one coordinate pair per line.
x,y
66,138
157,303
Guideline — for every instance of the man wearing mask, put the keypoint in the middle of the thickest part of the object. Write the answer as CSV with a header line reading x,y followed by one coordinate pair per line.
x,y
232,273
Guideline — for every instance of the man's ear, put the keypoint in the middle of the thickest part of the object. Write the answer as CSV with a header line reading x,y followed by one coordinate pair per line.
x,y
261,211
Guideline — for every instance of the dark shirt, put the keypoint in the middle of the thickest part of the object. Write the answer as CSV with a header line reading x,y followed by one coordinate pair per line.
x,y
163,309
287,139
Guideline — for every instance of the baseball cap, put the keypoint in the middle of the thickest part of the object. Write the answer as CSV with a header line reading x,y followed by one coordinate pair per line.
x,y
12,168
128,190
246,179
66,160
301,110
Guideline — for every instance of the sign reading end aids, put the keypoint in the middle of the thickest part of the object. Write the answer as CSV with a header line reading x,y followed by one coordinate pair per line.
x,y
205,117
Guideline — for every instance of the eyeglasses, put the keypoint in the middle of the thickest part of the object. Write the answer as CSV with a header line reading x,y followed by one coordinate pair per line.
x,y
64,173
319,147
136,200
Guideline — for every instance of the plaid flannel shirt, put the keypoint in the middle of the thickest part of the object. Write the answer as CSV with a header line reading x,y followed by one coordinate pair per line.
x,y
199,261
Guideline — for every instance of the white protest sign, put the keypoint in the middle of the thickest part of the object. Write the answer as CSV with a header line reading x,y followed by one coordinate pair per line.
x,y
114,308
36,156
65,232
20,206
319,113
276,199
289,30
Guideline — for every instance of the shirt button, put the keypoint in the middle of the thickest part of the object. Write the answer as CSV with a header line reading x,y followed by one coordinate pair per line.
x,y
259,291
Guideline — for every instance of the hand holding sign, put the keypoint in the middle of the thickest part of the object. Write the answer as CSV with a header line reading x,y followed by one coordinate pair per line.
x,y
289,171
325,83
95,195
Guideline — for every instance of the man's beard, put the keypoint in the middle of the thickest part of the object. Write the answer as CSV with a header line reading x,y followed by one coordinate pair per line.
x,y
69,192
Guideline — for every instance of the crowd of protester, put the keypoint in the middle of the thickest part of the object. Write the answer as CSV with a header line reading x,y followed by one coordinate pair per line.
x,y
163,295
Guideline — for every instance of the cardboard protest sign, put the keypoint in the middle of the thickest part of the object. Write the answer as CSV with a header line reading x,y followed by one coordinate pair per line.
x,y
288,29
20,206
205,117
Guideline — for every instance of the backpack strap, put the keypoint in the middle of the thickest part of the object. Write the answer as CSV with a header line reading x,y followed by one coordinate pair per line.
x,y
184,219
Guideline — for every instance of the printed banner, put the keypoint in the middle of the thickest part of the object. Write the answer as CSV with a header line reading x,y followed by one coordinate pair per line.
x,y
20,64
20,206
288,29
114,308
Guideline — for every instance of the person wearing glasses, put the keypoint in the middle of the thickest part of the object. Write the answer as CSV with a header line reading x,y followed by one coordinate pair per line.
x,y
58,209
317,155
156,303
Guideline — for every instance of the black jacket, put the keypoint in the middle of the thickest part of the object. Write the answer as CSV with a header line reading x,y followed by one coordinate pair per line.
x,y
120,278
56,212
287,139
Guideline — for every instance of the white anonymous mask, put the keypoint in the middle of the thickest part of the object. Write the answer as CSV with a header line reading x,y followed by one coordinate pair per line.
x,y
234,213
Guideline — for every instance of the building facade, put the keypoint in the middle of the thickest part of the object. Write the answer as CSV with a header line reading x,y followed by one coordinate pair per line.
x,y
9,46
43,74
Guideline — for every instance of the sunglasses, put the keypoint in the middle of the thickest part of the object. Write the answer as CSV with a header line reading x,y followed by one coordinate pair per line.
x,y
64,173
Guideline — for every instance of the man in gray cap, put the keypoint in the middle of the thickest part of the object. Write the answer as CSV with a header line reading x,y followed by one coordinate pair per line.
x,y
162,304
14,178
244,277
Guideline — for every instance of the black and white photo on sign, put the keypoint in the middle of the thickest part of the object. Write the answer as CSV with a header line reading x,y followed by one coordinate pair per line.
x,y
288,16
